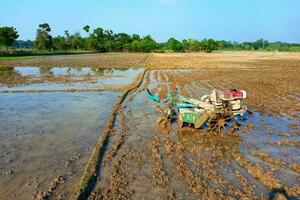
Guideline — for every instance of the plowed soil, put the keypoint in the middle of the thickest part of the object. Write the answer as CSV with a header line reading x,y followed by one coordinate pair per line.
x,y
136,158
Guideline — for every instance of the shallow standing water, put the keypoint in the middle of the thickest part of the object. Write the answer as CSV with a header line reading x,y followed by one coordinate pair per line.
x,y
239,165
48,136
63,78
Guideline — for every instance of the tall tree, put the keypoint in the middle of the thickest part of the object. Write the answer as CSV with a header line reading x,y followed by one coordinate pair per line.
x,y
43,38
96,40
67,34
7,36
45,26
86,28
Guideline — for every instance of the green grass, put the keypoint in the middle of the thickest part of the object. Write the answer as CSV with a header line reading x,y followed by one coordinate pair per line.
x,y
15,55
3,58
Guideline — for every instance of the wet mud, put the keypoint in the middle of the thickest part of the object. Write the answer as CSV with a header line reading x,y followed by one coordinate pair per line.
x,y
46,140
140,155
259,160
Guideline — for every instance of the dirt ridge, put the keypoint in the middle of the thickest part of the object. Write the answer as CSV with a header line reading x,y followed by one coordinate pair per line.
x,y
88,180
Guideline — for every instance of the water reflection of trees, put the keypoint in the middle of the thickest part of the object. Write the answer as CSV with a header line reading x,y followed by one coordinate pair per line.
x,y
102,71
8,71
9,76
46,71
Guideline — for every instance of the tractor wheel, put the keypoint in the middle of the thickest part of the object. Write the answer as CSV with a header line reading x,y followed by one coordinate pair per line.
x,y
218,122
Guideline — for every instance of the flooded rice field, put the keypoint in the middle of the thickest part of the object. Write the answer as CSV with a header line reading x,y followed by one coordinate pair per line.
x,y
35,79
46,140
107,144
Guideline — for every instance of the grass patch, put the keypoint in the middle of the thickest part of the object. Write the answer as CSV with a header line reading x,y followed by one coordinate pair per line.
x,y
3,58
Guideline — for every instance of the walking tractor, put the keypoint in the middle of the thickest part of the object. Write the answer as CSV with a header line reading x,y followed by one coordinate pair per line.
x,y
215,111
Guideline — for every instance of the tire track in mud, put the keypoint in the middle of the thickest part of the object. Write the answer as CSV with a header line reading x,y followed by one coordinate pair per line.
x,y
159,172
120,175
156,75
182,86
113,151
157,78
189,87
172,86
197,185
192,181
214,178
93,168
265,178
275,164
117,183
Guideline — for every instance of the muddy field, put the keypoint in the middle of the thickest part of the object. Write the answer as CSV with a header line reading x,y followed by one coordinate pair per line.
x,y
133,158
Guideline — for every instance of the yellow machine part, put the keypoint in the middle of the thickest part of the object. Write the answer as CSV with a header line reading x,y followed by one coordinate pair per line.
x,y
201,120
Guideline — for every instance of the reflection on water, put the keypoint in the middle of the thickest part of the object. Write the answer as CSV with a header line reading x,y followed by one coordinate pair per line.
x,y
63,78
7,71
57,71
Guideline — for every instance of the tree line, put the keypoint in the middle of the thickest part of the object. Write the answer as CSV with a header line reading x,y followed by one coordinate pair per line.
x,y
101,40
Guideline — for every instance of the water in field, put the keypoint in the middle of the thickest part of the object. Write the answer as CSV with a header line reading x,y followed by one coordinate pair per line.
x,y
45,137
63,78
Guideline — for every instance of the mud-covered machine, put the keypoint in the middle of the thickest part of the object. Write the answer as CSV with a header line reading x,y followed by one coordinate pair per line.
x,y
214,111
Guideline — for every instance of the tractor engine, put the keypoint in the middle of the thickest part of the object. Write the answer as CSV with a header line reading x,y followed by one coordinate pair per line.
x,y
230,100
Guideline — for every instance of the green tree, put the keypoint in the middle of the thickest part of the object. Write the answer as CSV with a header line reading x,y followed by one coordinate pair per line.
x,y
96,40
174,45
191,45
209,45
261,44
43,39
21,44
75,41
45,26
86,28
67,34
145,44
7,36
60,43
122,42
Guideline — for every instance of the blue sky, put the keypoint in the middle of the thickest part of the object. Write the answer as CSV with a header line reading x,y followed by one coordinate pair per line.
x,y
235,20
